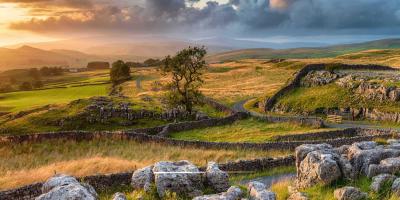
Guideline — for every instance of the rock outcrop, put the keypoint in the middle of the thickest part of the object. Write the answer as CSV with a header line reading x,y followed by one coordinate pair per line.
x,y
349,193
380,180
320,164
181,177
323,164
233,193
216,178
258,191
66,187
318,78
143,178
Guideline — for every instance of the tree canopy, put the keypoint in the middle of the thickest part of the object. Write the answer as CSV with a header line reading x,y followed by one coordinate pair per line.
x,y
120,72
186,69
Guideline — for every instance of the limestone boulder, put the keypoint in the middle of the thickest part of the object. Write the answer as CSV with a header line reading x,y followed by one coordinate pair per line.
x,y
180,177
66,187
318,167
119,196
387,166
361,155
380,180
233,193
302,151
349,193
143,178
396,187
216,178
57,181
258,191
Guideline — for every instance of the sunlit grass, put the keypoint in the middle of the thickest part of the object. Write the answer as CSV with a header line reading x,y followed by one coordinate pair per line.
x,y
29,162
17,101
249,130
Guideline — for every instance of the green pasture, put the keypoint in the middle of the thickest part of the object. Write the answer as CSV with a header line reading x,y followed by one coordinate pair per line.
x,y
18,101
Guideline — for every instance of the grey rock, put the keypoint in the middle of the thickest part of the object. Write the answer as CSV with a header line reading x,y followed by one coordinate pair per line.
x,y
396,187
349,193
302,151
216,178
318,167
66,187
119,196
58,180
386,166
378,181
71,191
180,177
143,178
318,78
363,154
233,193
258,191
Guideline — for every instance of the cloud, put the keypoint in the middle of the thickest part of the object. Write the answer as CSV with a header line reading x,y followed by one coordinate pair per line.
x,y
163,16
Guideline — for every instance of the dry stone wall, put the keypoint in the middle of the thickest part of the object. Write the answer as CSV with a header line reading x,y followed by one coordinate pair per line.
x,y
107,181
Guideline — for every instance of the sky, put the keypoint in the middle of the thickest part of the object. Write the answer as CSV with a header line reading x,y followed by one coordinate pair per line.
x,y
328,21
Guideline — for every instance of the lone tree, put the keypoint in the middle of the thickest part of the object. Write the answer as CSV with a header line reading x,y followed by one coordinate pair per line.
x,y
120,72
186,69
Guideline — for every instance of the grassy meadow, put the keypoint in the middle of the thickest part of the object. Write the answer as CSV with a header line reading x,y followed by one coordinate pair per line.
x,y
19,163
249,130
19,101
310,99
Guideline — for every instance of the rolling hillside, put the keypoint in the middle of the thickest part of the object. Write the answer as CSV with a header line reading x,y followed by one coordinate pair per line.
x,y
28,57
320,52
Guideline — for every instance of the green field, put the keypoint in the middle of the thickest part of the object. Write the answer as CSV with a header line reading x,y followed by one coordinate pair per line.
x,y
18,101
249,130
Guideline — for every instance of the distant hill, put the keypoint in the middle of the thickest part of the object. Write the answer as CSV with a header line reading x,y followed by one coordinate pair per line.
x,y
28,57
316,52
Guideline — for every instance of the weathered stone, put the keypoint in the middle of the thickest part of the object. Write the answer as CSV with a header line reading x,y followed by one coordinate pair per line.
x,y
363,154
318,78
216,178
143,178
119,196
318,167
349,193
181,177
58,180
380,180
302,151
71,191
258,191
295,194
387,166
66,187
233,193
396,187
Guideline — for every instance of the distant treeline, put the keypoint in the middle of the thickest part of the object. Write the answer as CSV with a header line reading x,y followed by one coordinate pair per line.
x,y
147,63
27,79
